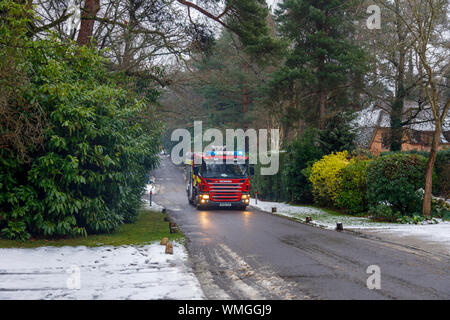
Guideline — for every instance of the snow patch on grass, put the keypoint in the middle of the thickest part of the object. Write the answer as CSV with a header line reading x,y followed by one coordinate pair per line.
x,y
126,272
430,232
154,207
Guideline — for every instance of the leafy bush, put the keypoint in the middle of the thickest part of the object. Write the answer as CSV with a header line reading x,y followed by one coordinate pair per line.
x,y
300,155
441,183
292,182
97,149
446,215
395,179
415,219
353,194
439,207
384,212
339,134
270,187
326,177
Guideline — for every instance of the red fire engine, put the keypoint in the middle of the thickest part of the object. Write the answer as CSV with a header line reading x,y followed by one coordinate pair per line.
x,y
214,181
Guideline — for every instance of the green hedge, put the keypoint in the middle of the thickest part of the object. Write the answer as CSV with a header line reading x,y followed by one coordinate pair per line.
x,y
89,173
270,187
300,156
441,182
394,180
291,182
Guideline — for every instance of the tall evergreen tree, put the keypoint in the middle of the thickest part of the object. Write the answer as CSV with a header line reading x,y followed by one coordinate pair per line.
x,y
225,84
321,61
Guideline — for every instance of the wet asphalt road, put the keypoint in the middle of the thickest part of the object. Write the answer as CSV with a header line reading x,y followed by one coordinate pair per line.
x,y
256,255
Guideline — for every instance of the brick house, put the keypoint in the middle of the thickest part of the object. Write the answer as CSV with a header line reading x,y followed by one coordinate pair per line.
x,y
373,127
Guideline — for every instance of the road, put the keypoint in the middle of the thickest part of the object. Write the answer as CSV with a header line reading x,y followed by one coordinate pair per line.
x,y
256,255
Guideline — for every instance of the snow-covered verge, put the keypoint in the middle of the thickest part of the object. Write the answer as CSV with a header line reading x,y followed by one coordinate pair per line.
x,y
126,272
154,189
154,207
438,233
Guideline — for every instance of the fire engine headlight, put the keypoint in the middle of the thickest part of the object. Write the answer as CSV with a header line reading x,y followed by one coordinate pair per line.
x,y
204,196
245,196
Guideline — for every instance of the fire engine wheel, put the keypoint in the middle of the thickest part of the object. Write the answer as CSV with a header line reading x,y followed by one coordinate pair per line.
x,y
200,207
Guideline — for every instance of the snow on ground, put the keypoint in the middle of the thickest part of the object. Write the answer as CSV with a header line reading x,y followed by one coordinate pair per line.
x,y
319,217
126,272
438,233
154,207
154,189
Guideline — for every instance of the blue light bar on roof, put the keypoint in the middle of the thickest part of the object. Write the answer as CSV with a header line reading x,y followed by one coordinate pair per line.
x,y
225,153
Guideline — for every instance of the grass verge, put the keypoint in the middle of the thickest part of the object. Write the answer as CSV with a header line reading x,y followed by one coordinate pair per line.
x,y
149,227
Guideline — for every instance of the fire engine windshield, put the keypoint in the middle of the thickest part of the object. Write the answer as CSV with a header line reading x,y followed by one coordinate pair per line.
x,y
223,170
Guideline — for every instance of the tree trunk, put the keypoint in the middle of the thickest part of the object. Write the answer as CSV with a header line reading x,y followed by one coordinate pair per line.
x,y
322,109
91,7
396,136
396,119
426,207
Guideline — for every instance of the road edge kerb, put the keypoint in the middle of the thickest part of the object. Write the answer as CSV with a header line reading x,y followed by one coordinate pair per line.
x,y
414,250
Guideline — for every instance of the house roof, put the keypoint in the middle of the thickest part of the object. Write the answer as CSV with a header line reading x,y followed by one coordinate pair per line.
x,y
374,117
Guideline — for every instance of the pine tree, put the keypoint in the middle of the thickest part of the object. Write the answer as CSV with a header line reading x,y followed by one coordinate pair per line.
x,y
227,81
321,60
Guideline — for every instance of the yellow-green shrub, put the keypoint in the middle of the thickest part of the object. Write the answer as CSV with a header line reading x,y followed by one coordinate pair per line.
x,y
353,194
326,177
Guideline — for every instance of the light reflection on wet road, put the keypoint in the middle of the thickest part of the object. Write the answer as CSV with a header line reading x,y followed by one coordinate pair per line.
x,y
251,254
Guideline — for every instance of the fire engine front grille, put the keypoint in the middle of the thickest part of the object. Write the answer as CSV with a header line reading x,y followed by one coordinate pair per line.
x,y
225,192
226,197
228,187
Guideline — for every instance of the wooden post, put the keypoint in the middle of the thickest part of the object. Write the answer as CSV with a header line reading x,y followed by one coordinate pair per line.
x,y
173,227
169,248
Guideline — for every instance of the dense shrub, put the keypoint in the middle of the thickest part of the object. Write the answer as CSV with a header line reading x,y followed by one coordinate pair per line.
x,y
384,212
394,180
300,155
339,134
270,187
292,182
441,182
326,177
97,149
353,194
